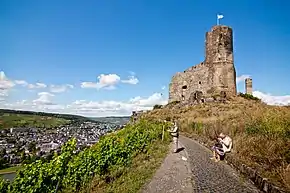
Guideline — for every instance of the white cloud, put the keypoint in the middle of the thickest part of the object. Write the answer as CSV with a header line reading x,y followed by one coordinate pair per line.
x,y
3,94
156,98
89,108
131,80
36,86
5,86
45,103
21,82
45,98
132,73
60,88
5,83
106,108
89,85
272,100
242,78
163,87
107,81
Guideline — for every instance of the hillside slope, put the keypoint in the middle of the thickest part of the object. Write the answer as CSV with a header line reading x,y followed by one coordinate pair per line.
x,y
15,118
261,133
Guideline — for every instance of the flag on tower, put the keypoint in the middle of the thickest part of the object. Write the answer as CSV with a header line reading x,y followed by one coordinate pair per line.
x,y
220,16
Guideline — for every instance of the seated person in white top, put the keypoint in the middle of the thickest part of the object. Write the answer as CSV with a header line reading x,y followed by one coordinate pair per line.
x,y
223,146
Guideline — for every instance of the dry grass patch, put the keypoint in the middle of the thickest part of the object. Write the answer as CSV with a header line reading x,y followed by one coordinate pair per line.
x,y
261,133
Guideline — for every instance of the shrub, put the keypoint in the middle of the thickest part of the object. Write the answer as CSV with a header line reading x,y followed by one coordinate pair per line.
x,y
249,96
174,102
157,107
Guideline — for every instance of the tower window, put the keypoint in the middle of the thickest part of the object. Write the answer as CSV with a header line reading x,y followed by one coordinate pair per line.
x,y
184,87
199,82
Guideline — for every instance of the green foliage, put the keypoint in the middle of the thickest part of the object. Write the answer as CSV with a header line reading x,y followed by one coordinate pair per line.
x,y
249,96
173,102
157,106
4,185
269,126
70,171
15,118
22,120
197,126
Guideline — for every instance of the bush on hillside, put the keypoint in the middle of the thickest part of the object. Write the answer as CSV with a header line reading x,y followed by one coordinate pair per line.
x,y
249,96
173,102
157,106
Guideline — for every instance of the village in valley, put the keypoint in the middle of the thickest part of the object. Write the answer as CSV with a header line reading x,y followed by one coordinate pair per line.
x,y
26,144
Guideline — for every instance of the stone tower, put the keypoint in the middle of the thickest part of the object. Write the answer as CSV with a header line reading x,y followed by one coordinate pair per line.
x,y
220,60
216,75
249,86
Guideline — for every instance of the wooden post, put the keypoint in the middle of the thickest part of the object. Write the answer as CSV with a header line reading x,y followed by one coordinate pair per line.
x,y
162,132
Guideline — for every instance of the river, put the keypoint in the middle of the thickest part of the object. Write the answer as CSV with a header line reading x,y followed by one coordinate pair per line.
x,y
9,176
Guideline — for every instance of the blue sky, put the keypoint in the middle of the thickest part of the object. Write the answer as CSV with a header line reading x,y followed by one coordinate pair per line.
x,y
136,45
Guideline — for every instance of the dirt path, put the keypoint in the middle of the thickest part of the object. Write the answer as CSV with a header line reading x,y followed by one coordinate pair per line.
x,y
174,175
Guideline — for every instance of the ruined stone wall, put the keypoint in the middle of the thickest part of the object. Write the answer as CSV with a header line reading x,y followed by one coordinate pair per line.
x,y
191,80
249,86
214,75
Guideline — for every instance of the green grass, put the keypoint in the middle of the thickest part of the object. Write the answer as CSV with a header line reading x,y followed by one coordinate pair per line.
x,y
132,179
9,120
10,170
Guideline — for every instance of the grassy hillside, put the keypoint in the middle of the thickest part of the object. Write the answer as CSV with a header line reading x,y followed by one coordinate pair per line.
x,y
13,118
120,162
261,133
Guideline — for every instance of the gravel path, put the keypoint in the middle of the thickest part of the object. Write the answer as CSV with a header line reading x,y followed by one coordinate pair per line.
x,y
174,175
210,176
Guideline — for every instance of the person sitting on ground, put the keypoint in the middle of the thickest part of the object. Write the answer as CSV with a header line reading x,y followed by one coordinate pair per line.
x,y
223,146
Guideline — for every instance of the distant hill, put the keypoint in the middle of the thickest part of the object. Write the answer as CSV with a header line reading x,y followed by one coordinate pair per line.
x,y
16,118
116,120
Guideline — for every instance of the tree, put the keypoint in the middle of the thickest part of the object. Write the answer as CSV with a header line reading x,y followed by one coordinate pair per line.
x,y
32,147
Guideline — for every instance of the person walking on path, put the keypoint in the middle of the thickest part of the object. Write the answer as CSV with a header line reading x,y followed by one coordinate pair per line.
x,y
174,131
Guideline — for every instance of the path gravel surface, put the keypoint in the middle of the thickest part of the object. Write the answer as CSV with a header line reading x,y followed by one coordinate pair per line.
x,y
192,170
213,177
174,175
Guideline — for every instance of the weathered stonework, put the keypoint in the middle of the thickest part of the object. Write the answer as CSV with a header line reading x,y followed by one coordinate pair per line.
x,y
215,76
249,86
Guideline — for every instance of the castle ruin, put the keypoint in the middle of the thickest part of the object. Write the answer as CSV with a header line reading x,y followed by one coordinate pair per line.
x,y
215,76
249,86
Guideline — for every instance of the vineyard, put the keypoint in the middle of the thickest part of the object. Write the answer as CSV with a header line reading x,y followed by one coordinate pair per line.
x,y
70,171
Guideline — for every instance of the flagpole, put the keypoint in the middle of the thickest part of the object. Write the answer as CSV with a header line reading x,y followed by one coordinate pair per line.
x,y
218,18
